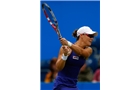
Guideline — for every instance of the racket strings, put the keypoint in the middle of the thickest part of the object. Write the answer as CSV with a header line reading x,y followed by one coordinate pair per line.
x,y
51,18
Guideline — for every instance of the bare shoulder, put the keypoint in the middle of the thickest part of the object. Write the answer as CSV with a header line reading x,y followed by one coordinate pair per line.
x,y
88,51
88,48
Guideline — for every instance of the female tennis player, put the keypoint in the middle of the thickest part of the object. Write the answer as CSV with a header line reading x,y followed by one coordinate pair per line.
x,y
72,57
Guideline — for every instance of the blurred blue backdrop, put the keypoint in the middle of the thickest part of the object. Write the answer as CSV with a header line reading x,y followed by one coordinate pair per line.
x,y
70,15
80,85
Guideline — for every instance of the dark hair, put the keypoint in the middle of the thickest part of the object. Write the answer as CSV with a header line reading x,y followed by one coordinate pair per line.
x,y
74,34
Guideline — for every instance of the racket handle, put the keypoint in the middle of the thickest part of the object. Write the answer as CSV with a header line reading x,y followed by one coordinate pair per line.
x,y
60,38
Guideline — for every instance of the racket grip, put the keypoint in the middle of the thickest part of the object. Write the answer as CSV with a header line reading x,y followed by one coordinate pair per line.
x,y
60,38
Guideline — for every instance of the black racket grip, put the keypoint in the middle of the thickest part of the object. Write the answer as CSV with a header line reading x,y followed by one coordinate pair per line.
x,y
60,38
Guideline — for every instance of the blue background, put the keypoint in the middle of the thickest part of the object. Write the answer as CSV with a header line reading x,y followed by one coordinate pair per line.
x,y
80,85
70,15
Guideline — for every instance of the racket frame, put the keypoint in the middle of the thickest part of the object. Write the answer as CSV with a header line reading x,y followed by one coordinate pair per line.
x,y
55,24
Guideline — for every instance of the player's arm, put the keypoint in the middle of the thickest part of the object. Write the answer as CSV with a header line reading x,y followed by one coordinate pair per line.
x,y
78,50
62,57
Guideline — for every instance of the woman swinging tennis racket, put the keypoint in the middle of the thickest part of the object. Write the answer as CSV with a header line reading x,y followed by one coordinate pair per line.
x,y
72,57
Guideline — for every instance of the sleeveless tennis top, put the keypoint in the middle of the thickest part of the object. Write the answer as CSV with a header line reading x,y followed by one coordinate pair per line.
x,y
69,74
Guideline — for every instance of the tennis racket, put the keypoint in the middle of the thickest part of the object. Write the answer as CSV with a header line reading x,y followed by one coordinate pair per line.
x,y
51,18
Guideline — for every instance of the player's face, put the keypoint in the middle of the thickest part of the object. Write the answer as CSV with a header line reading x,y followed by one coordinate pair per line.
x,y
88,38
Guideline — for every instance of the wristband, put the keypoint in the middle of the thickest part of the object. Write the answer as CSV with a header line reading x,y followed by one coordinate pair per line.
x,y
69,44
64,57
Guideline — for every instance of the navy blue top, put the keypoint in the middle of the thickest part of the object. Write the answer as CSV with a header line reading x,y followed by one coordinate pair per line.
x,y
68,75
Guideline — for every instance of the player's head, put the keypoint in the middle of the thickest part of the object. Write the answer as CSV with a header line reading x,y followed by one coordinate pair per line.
x,y
85,34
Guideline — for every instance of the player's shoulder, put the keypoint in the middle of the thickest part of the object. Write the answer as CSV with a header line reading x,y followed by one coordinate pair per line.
x,y
88,47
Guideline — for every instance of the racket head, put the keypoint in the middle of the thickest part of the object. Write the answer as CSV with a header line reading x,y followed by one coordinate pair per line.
x,y
51,18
